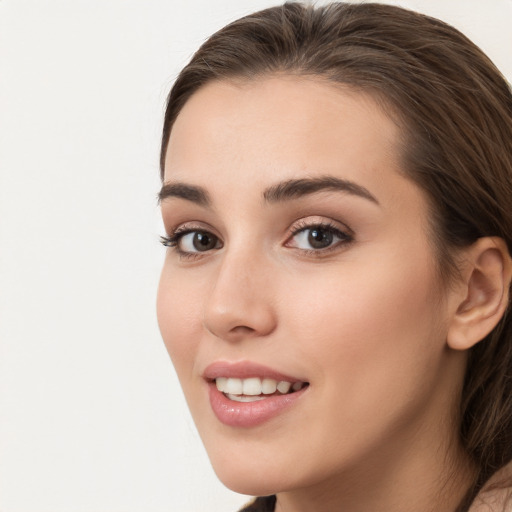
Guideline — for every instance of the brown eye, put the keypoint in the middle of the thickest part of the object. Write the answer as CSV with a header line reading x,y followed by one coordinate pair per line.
x,y
319,238
203,241
198,241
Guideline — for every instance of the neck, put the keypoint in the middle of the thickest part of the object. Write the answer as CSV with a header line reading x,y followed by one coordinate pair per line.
x,y
415,473
414,488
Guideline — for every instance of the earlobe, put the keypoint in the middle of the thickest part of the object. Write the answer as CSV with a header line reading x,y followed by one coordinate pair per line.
x,y
485,293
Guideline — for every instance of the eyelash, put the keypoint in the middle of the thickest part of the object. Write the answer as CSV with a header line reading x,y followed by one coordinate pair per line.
x,y
345,237
173,241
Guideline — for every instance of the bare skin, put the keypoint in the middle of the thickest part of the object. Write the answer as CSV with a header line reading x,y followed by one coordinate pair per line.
x,y
497,494
362,317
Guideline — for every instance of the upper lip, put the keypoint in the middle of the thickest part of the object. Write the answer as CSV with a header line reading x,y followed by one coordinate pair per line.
x,y
245,370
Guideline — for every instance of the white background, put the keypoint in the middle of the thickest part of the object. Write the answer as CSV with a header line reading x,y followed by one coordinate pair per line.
x,y
91,415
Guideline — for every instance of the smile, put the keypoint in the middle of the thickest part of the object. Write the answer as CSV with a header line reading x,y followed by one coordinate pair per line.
x,y
254,389
246,394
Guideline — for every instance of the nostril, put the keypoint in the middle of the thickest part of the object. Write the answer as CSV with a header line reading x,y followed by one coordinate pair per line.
x,y
242,329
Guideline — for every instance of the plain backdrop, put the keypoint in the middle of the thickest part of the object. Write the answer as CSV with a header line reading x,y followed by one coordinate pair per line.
x,y
91,414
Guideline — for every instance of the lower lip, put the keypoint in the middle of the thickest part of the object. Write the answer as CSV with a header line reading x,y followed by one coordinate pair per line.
x,y
250,414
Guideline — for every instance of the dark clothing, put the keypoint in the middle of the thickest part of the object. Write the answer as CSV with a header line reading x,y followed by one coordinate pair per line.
x,y
264,504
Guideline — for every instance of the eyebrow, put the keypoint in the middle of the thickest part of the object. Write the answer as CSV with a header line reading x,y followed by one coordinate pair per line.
x,y
293,189
193,193
283,191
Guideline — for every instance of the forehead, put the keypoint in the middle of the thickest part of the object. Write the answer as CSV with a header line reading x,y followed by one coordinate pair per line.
x,y
278,128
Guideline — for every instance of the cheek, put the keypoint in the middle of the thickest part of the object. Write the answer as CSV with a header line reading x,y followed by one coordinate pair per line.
x,y
369,327
374,351
178,319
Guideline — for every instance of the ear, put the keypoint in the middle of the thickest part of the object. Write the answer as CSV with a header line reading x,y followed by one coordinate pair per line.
x,y
483,295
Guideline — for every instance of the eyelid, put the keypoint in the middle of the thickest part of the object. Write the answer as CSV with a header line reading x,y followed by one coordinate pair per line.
x,y
189,226
341,230
174,236
344,234
317,221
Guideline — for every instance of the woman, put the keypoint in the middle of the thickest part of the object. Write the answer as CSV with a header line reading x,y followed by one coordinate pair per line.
x,y
335,296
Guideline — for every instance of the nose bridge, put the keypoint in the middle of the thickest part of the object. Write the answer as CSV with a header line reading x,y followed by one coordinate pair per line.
x,y
239,303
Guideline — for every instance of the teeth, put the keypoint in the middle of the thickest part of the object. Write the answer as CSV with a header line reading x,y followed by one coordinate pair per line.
x,y
251,386
268,386
221,383
247,390
283,387
233,386
244,398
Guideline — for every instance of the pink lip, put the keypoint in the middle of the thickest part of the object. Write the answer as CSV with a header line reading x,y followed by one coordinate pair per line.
x,y
248,414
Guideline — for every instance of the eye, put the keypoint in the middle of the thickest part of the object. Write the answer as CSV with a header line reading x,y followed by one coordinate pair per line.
x,y
190,241
318,237
197,241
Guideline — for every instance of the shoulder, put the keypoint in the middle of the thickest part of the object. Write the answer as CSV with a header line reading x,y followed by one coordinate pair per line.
x,y
496,496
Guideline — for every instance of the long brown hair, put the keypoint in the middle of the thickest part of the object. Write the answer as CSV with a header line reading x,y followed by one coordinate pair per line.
x,y
455,111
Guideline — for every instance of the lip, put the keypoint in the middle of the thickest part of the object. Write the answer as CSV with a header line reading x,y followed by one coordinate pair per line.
x,y
248,414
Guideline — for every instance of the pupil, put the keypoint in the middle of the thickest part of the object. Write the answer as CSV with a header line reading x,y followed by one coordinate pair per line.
x,y
319,238
203,242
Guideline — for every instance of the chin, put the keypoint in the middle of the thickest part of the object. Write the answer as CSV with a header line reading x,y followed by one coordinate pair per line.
x,y
263,472
250,484
252,476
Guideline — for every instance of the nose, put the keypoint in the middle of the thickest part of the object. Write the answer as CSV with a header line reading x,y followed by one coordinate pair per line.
x,y
240,302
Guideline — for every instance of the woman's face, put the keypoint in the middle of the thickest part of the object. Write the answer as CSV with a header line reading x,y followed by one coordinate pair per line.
x,y
298,253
